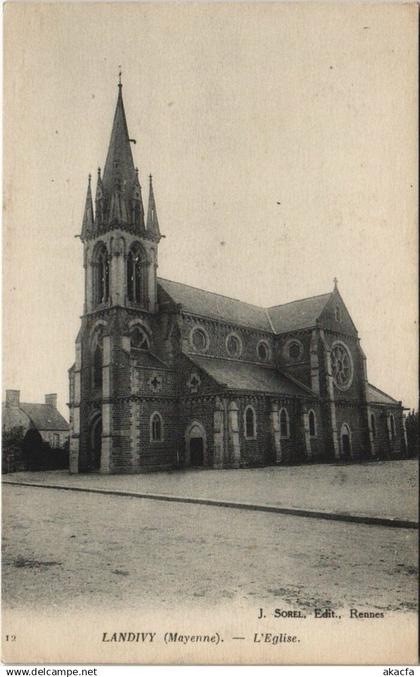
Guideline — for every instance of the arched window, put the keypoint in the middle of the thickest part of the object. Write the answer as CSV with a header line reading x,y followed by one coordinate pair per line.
x,y
250,423
156,427
345,440
97,366
139,339
263,351
392,426
312,424
102,276
136,275
337,314
284,424
373,425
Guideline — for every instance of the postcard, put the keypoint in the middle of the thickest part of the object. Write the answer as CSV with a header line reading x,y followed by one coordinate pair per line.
x,y
209,426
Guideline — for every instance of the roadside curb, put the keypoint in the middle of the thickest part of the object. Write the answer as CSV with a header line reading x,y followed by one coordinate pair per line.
x,y
298,512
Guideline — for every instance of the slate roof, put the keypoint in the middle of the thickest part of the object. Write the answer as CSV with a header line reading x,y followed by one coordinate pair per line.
x,y
246,376
216,306
119,161
379,397
282,318
13,417
44,416
297,314
146,359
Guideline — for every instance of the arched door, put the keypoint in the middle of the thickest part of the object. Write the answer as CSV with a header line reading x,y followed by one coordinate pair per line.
x,y
95,442
345,441
195,440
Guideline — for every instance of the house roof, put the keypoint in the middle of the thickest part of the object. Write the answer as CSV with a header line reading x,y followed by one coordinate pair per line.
x,y
297,314
206,303
44,416
378,396
13,417
237,375
278,319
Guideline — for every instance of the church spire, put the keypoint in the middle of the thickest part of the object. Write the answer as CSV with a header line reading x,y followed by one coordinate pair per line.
x,y
119,166
118,199
88,220
152,225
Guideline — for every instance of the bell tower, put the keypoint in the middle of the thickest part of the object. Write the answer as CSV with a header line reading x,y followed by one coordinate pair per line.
x,y
120,258
120,246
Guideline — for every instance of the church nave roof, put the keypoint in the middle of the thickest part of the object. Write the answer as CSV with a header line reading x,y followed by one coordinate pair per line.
x,y
237,375
290,316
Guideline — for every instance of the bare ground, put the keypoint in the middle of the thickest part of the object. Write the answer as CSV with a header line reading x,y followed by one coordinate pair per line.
x,y
384,488
81,551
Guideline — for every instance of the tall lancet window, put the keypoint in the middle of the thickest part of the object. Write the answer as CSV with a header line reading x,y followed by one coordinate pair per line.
x,y
97,365
97,358
136,275
102,276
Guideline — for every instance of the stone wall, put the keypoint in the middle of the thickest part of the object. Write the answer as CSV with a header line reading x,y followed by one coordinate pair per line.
x,y
218,332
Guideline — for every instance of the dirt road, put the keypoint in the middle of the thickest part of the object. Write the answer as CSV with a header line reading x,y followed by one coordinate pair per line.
x,y
80,550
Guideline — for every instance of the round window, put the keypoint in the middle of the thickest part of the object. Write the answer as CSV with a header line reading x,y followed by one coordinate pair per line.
x,y
295,350
262,351
199,339
233,345
342,366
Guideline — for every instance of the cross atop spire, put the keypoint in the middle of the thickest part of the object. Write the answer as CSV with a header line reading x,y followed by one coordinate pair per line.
x,y
119,77
335,280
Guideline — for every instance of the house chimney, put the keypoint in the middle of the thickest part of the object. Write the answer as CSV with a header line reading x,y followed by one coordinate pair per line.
x,y
12,398
51,399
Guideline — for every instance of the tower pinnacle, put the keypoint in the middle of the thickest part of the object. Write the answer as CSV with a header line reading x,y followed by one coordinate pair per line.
x,y
88,220
152,226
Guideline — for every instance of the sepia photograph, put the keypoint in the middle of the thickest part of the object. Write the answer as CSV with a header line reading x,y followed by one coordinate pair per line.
x,y
210,333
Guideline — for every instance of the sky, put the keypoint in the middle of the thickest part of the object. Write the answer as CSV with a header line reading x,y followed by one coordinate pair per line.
x,y
282,139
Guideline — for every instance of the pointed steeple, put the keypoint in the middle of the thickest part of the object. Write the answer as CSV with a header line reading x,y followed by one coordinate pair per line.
x,y
118,199
152,226
88,217
119,166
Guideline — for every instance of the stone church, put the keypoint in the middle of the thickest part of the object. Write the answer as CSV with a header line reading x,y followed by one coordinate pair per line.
x,y
169,376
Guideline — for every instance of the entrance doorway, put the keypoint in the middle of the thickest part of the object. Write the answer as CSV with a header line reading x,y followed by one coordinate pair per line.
x,y
345,441
195,445
95,442
196,451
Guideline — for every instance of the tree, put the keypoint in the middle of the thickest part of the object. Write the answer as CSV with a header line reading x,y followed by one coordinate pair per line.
x,y
412,427
11,443
13,437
